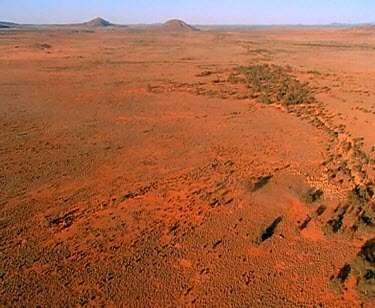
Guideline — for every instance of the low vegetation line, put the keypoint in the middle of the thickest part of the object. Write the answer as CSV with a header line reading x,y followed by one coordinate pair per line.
x,y
272,84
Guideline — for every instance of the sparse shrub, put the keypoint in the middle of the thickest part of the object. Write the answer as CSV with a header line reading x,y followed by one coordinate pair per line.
x,y
272,83
321,209
367,219
43,46
337,208
312,195
271,229
336,223
264,99
347,146
174,227
262,181
368,251
315,72
344,272
370,274
233,79
355,227
360,195
204,74
305,223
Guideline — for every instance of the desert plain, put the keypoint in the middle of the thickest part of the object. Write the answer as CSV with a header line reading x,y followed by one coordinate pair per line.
x,y
214,168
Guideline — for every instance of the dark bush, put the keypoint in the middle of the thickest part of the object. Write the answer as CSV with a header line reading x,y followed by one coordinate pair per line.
x,y
368,251
367,219
312,195
262,181
370,274
361,195
271,229
344,272
321,209
305,223
336,223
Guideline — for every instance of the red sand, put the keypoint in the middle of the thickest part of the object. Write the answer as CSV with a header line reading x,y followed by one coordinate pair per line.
x,y
127,173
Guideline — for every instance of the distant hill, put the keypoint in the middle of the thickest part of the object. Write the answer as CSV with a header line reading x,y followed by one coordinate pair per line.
x,y
176,25
7,25
97,23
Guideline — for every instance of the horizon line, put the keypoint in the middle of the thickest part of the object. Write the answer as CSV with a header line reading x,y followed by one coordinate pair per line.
x,y
195,24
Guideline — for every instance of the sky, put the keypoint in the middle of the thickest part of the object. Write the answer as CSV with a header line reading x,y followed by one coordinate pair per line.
x,y
235,12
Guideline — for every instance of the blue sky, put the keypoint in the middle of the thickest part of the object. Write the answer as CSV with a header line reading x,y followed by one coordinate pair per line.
x,y
191,11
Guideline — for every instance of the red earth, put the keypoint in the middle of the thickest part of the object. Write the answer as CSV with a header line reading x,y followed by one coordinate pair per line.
x,y
146,169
